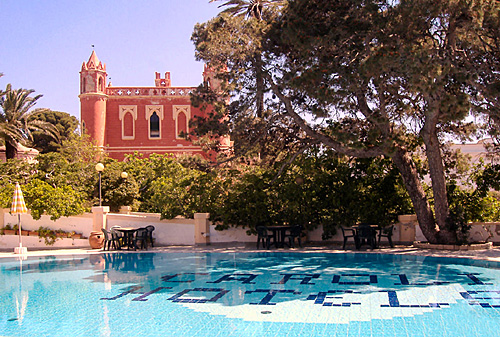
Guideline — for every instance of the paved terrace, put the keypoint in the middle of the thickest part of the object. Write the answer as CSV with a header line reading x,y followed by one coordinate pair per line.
x,y
487,254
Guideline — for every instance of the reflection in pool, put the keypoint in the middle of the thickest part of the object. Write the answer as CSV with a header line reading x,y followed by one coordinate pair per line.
x,y
249,294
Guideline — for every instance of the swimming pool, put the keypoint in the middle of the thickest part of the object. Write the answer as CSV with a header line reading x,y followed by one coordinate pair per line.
x,y
249,294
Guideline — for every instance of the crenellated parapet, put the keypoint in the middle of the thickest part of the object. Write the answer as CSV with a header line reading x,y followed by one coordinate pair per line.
x,y
149,91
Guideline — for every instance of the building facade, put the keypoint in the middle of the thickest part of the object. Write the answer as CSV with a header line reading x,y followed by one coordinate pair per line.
x,y
124,120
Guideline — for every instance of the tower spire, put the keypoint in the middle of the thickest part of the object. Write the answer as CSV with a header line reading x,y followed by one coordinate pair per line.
x,y
93,98
94,63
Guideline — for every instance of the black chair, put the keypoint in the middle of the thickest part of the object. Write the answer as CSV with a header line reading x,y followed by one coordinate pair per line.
x,y
348,233
118,237
264,235
150,229
386,232
140,240
109,241
294,233
366,234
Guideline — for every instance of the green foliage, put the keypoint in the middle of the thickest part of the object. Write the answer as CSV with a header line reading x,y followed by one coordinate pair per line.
x,y
48,235
16,170
56,170
6,193
182,191
13,171
66,126
247,200
59,201
80,148
118,191
319,188
366,78
18,120
475,200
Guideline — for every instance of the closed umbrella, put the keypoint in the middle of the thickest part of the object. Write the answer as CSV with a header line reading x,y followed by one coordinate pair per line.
x,y
19,207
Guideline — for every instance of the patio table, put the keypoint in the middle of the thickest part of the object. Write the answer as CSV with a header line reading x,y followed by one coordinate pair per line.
x,y
279,235
366,234
128,235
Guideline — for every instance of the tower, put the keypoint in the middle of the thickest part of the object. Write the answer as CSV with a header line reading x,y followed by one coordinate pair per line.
x,y
210,79
93,99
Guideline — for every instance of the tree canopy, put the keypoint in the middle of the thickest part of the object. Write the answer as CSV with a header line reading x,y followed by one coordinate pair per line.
x,y
365,78
65,124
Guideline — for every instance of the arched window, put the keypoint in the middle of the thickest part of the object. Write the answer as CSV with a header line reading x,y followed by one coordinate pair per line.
x,y
181,124
101,84
128,126
128,116
154,126
154,116
181,115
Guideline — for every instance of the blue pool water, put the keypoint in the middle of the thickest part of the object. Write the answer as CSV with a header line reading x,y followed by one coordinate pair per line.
x,y
249,294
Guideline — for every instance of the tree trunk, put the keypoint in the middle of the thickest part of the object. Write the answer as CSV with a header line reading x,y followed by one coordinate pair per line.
x,y
423,210
259,85
10,150
438,180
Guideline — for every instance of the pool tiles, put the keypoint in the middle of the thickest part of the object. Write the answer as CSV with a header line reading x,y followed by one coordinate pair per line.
x,y
291,303
326,307
353,307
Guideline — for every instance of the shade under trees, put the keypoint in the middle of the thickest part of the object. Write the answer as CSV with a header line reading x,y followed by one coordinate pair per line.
x,y
367,79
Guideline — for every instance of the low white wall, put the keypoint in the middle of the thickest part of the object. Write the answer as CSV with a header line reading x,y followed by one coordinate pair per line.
x,y
180,231
479,232
11,241
79,224
231,234
177,231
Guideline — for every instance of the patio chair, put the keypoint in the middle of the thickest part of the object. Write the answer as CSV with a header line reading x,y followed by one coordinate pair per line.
x,y
264,235
109,241
140,239
366,234
294,233
348,233
118,237
150,229
386,232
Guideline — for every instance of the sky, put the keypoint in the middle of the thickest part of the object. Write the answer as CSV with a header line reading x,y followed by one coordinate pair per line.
x,y
44,43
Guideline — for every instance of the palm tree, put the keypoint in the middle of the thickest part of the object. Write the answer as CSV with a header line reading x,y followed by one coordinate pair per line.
x,y
17,120
252,9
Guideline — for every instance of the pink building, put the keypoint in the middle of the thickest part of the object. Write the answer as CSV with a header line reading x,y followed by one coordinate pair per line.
x,y
123,120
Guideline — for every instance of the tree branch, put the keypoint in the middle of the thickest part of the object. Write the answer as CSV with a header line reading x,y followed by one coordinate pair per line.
x,y
314,134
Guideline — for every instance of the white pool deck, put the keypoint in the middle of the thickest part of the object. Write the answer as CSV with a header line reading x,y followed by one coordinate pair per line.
x,y
487,254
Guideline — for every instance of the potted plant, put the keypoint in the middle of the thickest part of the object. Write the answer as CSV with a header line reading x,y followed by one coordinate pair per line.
x,y
32,233
74,235
16,230
8,230
48,235
61,234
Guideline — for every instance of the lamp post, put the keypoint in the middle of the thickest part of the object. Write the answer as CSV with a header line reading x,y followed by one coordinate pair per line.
x,y
99,168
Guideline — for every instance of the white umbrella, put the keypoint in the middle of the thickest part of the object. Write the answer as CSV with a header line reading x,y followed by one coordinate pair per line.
x,y
19,207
